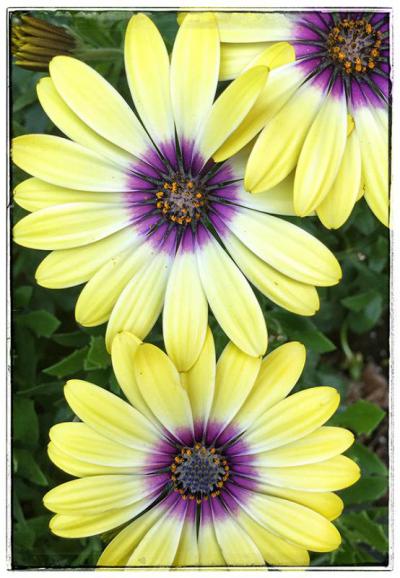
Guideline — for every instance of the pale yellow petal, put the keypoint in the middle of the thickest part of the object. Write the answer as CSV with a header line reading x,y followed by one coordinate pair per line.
x,y
292,418
188,551
276,551
185,311
286,247
278,147
235,377
98,104
34,194
74,128
236,58
62,162
210,554
123,350
194,73
297,297
231,299
320,445
199,383
160,386
230,108
338,204
253,26
110,416
70,267
140,303
321,155
237,547
279,373
70,225
147,70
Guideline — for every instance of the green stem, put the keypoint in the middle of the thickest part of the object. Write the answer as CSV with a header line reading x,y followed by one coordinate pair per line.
x,y
345,343
98,53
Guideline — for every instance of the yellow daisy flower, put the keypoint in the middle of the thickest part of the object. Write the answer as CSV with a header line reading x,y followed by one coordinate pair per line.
x,y
325,114
142,215
211,467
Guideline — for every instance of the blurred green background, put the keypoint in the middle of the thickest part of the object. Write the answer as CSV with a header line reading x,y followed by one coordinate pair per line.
x,y
347,343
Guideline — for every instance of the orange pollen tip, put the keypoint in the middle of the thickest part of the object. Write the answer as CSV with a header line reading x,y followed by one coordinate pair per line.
x,y
371,64
188,219
198,500
199,195
160,204
191,497
220,484
159,194
341,55
189,185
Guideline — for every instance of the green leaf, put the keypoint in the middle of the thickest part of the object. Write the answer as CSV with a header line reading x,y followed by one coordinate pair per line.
x,y
369,462
41,322
74,339
69,365
366,319
367,489
97,356
27,467
22,296
304,330
359,302
361,417
25,422
363,529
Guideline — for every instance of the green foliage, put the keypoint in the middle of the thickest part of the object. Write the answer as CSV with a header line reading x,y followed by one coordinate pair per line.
x,y
349,332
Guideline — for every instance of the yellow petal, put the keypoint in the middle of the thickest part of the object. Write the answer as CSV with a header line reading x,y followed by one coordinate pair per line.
x,y
79,526
119,550
34,194
297,297
199,383
278,147
69,267
81,468
374,143
194,73
159,546
330,475
188,551
160,386
321,155
147,70
282,83
70,225
237,547
276,552
286,247
80,441
100,294
185,312
338,204
210,554
230,108
140,303
253,26
236,58
123,350
320,445
74,128
295,523
98,104
278,200
292,418
65,163
235,377
96,494
327,504
232,299
110,416
279,373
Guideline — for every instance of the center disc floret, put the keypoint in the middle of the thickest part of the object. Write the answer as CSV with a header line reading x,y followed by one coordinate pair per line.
x,y
181,200
199,472
354,45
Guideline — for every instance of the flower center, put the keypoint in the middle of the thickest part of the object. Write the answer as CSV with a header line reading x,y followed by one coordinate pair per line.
x,y
199,472
181,200
354,45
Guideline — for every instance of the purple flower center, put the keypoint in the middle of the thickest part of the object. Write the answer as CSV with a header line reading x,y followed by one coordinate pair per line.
x,y
181,199
354,45
199,472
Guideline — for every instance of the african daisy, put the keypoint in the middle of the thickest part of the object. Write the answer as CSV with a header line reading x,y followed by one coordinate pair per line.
x,y
212,467
325,114
144,217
